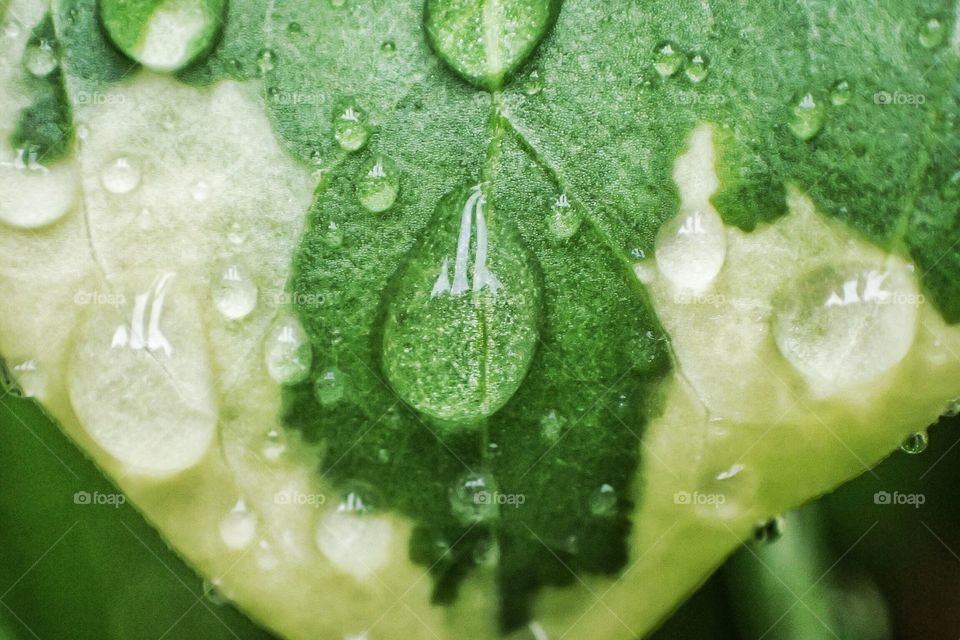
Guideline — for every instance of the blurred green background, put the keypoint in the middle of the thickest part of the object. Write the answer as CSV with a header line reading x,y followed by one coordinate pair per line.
x,y
844,567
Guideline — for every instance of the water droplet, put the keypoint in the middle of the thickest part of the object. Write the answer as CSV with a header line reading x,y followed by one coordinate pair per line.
x,y
472,498
691,249
388,48
288,354
237,235
266,59
383,455
457,341
378,183
932,33
354,542
235,67
552,426
294,27
199,191
334,235
350,125
846,324
953,408
360,498
564,220
533,85
698,67
807,117
724,493
274,445
238,528
265,556
770,530
603,502
40,59
29,379
330,387
212,595
82,132
234,295
667,59
915,443
121,176
485,57
841,93
11,28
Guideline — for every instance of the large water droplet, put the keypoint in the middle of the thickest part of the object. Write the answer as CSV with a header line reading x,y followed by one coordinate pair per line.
x,y
667,59
485,41
378,184
841,93
330,387
564,220
840,325
691,249
34,195
698,67
238,528
603,502
932,33
461,328
473,498
40,59
169,37
354,542
234,294
350,125
915,443
287,354
121,176
807,117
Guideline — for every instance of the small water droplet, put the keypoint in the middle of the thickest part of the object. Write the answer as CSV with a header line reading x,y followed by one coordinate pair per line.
x,y
603,502
552,426
234,294
288,354
350,126
199,191
11,28
274,445
121,176
533,85
770,530
807,117
383,455
388,48
40,59
330,387
691,249
667,59
212,595
915,443
841,93
266,557
294,28
235,67
564,220
378,183
237,235
238,527
953,408
698,67
82,132
723,494
334,235
29,379
932,33
472,498
266,59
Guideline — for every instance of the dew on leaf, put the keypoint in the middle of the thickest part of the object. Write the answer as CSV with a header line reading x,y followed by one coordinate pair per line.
x,y
667,59
266,59
238,528
199,191
953,408
11,28
287,352
915,443
40,59
457,341
691,249
330,387
213,595
294,28
473,499
121,176
378,184
933,32
698,67
350,125
388,48
807,117
552,426
603,502
841,93
274,445
265,556
533,84
564,220
333,235
234,294
725,493
237,235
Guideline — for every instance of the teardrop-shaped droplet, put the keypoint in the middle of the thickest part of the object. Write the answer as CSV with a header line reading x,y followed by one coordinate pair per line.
x,y
691,249
388,48
846,324
351,128
807,117
329,387
698,67
461,327
933,32
287,353
234,294
770,530
841,93
473,498
121,176
603,502
238,528
40,59
35,195
378,184
552,426
27,379
274,445
667,59
564,220
915,443
266,60
237,235
167,35
485,41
